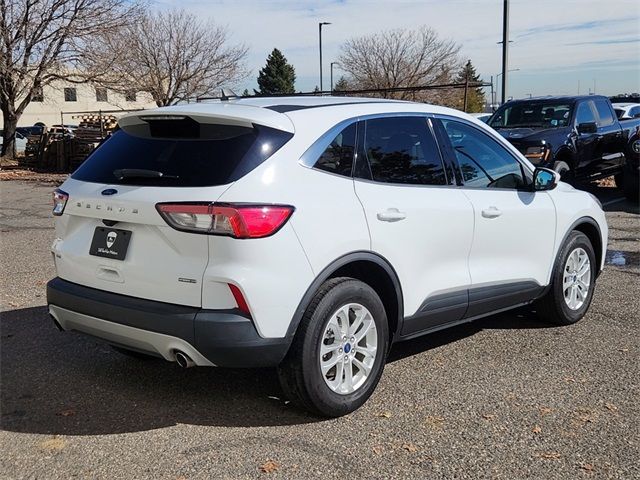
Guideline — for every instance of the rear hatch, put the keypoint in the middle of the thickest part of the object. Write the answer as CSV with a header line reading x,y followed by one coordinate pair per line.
x,y
110,235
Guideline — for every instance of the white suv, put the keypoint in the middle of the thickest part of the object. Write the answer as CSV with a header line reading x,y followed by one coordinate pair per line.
x,y
311,234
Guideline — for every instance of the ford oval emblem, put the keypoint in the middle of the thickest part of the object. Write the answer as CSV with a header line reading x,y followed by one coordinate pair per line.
x,y
109,191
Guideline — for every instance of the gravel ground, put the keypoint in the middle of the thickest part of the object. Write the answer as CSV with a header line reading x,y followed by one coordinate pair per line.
x,y
506,397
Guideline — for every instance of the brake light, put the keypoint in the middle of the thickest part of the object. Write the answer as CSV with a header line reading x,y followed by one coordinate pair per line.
x,y
59,201
235,220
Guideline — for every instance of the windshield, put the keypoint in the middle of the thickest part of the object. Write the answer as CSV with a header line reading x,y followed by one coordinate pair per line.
x,y
532,115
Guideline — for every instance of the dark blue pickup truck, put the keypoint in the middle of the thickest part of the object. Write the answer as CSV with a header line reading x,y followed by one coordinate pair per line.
x,y
578,136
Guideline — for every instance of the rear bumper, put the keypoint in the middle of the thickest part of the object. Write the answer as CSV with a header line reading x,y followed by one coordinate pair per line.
x,y
224,338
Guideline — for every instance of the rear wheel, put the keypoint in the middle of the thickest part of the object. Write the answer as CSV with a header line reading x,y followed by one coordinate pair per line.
x,y
572,282
339,351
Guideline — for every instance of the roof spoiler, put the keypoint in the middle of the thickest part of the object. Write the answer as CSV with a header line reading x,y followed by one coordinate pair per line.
x,y
229,114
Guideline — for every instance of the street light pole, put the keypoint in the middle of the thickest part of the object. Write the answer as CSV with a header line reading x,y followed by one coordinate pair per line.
x,y
505,48
320,45
500,75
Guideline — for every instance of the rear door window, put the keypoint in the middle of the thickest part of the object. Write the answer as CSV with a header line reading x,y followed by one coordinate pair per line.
x,y
224,156
402,150
604,113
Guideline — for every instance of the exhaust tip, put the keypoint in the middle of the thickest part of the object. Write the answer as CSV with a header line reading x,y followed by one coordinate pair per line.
x,y
183,360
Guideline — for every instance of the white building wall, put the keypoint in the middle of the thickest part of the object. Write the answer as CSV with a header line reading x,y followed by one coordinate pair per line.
x,y
48,111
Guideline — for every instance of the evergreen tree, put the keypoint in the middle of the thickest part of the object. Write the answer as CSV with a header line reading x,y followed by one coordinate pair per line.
x,y
246,93
475,95
341,85
277,76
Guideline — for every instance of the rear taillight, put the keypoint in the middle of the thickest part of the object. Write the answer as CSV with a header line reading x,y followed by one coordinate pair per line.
x,y
235,220
59,201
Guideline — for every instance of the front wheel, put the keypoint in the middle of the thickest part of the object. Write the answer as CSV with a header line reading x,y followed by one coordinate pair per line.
x,y
572,282
338,354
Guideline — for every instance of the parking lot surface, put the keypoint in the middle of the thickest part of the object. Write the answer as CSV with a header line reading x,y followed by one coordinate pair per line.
x,y
505,397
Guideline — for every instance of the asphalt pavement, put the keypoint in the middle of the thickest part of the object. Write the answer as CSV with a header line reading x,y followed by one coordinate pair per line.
x,y
506,397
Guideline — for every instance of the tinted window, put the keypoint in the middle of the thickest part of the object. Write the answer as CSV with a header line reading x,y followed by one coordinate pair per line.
x,y
183,162
532,114
585,113
604,112
402,150
634,111
338,157
483,161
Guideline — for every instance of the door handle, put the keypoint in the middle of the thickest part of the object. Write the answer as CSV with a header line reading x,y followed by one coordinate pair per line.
x,y
391,215
491,212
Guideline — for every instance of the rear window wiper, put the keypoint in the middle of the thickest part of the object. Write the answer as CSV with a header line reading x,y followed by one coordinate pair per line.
x,y
123,173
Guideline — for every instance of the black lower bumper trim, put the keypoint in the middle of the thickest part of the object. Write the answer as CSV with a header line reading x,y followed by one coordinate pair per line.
x,y
226,338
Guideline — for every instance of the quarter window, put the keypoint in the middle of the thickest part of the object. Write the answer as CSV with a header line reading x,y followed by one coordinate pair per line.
x,y
585,113
483,161
338,157
402,150
604,113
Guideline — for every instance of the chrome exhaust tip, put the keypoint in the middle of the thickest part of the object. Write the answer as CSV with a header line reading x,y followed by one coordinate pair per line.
x,y
183,360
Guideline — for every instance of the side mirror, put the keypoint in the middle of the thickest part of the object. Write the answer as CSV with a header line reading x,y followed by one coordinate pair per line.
x,y
545,179
587,127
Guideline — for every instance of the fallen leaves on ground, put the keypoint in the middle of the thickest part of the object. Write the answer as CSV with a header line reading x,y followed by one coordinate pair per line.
x,y
611,407
545,410
587,467
536,429
410,447
488,416
53,444
269,466
384,415
378,449
584,416
434,421
67,412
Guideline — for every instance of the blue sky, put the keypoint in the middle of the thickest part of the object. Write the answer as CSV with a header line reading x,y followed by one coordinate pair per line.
x,y
559,46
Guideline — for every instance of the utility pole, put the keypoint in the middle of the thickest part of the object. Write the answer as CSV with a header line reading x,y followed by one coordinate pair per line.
x,y
505,49
493,98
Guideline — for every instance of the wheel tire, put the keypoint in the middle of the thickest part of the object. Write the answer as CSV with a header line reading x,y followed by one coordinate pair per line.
x,y
553,307
133,353
564,170
300,374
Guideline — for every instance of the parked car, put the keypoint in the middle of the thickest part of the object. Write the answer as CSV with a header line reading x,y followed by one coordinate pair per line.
x,y
580,137
310,234
63,130
483,117
21,142
625,111
32,130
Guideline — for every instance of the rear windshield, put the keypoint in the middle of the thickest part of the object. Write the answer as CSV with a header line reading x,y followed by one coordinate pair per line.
x,y
532,115
126,159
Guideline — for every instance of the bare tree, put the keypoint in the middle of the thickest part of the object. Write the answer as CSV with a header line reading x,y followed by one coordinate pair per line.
x,y
42,41
174,56
399,58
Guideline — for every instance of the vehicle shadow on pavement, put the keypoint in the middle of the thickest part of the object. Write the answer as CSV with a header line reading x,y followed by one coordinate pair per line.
x,y
521,318
70,384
